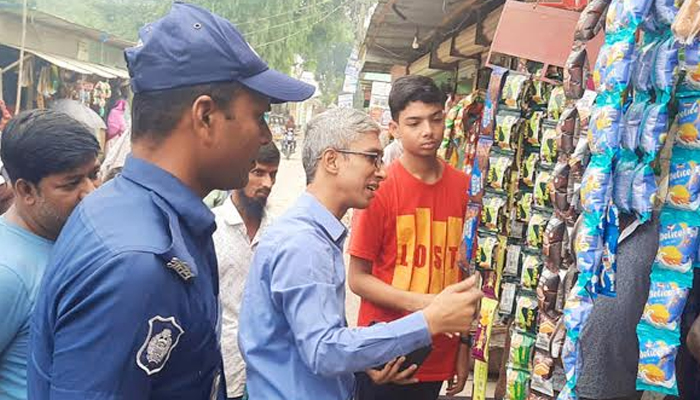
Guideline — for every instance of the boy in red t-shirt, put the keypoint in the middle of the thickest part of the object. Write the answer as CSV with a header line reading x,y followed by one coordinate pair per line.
x,y
404,246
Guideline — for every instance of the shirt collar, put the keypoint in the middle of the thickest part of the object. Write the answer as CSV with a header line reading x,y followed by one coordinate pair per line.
x,y
180,197
231,215
323,217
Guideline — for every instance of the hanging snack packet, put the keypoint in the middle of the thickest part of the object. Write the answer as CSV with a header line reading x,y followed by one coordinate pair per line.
x,y
547,289
665,304
666,11
566,130
556,103
665,70
588,244
535,230
540,94
625,14
595,186
604,130
522,347
686,27
469,237
526,314
560,177
493,96
523,208
480,172
508,293
657,360
688,123
499,172
517,383
684,181
486,252
534,128
491,280
553,242
690,62
579,160
618,70
492,213
589,22
482,334
530,275
629,135
512,261
542,373
677,247
545,332
538,396
543,189
643,191
548,149
513,90
507,126
530,168
644,65
623,177
575,73
605,284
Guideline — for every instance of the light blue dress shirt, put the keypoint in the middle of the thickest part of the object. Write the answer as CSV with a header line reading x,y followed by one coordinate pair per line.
x,y
23,259
293,333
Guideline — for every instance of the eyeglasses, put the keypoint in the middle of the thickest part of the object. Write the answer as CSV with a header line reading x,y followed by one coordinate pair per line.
x,y
374,157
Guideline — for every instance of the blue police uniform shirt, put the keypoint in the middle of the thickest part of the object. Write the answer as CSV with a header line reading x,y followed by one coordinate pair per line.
x,y
128,308
23,259
293,333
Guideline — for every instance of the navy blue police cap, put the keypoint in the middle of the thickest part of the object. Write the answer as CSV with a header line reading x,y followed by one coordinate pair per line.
x,y
191,46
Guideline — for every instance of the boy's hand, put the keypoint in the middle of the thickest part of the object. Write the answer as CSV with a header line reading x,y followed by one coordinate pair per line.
x,y
390,373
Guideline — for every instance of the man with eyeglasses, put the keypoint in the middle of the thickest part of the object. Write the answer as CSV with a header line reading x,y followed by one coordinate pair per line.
x,y
293,333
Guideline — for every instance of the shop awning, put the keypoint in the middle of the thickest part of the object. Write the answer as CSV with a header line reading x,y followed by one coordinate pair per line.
x,y
81,67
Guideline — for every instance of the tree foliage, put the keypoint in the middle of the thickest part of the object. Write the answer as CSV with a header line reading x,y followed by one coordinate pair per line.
x,y
320,32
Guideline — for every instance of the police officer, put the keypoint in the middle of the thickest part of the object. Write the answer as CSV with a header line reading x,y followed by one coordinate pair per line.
x,y
129,307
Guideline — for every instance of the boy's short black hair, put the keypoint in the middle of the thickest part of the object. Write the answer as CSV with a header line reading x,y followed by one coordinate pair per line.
x,y
408,89
39,143
156,114
268,155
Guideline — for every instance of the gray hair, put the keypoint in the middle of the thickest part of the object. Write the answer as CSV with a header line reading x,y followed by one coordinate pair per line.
x,y
334,129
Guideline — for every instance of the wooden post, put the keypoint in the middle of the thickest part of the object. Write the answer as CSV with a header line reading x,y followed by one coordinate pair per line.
x,y
21,59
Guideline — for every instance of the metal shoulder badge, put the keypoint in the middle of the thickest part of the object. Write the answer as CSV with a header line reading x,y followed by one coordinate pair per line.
x,y
163,336
181,268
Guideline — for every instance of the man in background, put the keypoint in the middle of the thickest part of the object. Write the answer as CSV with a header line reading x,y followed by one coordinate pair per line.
x,y
51,161
240,221
6,194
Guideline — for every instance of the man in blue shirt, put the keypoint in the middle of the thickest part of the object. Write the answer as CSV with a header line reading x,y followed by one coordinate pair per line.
x,y
52,161
129,307
293,332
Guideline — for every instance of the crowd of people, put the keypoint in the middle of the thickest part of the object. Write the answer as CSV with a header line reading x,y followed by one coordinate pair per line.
x,y
129,286
124,284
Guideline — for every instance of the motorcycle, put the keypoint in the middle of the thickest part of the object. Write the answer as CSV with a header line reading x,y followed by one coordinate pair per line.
x,y
289,144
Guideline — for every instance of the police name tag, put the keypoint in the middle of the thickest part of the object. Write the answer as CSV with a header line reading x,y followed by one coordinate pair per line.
x,y
163,336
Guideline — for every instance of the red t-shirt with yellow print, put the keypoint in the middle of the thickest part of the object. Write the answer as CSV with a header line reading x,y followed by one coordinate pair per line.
x,y
411,233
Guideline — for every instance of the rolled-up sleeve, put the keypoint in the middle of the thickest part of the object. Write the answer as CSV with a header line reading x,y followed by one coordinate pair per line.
x,y
305,288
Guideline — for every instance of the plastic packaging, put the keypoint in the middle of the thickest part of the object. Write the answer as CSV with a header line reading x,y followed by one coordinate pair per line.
x,y
542,371
486,253
526,314
469,238
492,213
688,123
513,90
530,168
686,26
591,20
508,294
556,103
596,186
665,71
575,73
657,359
684,181
535,230
482,334
623,179
507,126
604,130
653,130
530,275
643,192
522,347
517,383
534,128
625,14
606,284
643,68
547,289
677,247
548,149
665,304
614,65
629,135
690,62
493,96
666,11
499,172
542,192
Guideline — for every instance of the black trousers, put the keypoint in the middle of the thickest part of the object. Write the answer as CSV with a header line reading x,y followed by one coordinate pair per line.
x,y
365,389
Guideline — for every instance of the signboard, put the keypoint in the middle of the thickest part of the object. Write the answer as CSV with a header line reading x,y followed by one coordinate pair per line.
x,y
380,95
345,100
